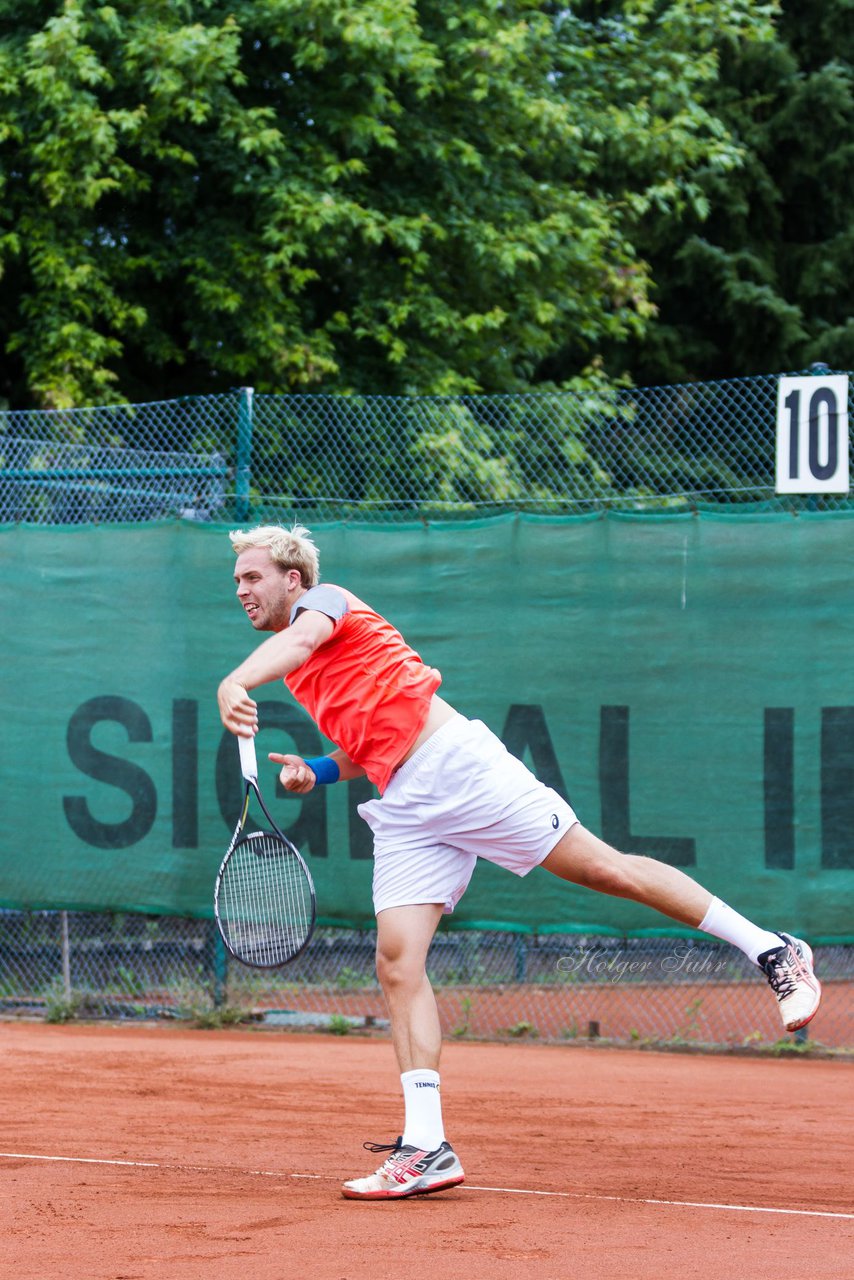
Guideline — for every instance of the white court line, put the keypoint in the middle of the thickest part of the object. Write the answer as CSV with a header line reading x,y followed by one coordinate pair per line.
x,y
678,1204
155,1164
507,1191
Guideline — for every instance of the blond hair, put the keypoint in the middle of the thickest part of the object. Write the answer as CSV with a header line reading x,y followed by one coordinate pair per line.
x,y
289,548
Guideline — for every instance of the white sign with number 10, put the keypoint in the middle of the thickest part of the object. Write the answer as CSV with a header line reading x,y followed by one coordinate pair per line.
x,y
812,434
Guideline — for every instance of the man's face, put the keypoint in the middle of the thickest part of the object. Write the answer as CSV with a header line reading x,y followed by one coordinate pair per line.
x,y
266,591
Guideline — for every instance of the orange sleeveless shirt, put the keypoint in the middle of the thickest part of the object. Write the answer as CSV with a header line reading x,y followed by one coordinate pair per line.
x,y
366,689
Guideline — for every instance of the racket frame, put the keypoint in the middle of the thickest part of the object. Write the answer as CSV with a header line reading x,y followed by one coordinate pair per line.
x,y
249,769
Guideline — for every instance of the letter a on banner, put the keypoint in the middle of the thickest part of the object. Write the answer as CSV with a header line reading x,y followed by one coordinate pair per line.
x,y
812,434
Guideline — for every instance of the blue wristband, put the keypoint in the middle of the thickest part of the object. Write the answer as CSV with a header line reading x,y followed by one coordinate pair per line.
x,y
325,769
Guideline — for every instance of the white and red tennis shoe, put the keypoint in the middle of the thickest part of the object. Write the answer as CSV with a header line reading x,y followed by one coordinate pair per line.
x,y
790,974
407,1172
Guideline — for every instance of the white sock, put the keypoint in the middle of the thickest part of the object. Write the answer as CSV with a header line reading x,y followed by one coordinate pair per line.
x,y
722,922
423,1126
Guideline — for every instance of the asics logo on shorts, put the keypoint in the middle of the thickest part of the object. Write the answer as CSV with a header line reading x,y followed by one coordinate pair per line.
x,y
555,821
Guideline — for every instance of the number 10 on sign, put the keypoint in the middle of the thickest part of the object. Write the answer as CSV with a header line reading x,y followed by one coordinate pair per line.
x,y
812,434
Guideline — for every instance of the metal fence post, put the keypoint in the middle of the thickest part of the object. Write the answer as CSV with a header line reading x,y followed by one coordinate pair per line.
x,y
215,963
244,453
521,951
66,956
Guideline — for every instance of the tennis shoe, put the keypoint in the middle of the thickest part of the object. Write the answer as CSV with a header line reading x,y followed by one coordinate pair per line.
x,y
790,974
407,1171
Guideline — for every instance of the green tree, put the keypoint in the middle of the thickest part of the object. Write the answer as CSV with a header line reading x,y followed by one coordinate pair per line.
x,y
757,278
391,195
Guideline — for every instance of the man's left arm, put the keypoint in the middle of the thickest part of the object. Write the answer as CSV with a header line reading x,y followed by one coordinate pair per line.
x,y
298,776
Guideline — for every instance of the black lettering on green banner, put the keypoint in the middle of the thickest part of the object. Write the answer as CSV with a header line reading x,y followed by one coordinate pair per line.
x,y
525,729
111,770
359,791
679,851
837,787
185,774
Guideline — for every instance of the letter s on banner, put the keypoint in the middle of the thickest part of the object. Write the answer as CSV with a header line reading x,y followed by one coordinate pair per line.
x,y
112,771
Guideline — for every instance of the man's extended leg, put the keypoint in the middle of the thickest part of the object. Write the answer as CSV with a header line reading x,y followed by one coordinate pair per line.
x,y
584,859
421,1160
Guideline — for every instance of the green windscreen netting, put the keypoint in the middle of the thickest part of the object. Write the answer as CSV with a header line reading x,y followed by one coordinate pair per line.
x,y
685,680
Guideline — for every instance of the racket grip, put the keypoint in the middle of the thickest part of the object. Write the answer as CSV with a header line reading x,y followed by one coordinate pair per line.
x,y
248,759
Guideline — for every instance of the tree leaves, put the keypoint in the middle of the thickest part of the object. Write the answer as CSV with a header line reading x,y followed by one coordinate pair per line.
x,y
753,277
385,196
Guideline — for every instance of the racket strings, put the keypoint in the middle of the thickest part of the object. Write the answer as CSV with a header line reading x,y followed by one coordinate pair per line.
x,y
265,901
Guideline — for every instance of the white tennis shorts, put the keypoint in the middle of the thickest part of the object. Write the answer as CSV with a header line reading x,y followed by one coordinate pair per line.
x,y
460,797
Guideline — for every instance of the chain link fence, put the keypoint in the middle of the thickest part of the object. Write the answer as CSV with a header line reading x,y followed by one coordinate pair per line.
x,y
496,985
238,457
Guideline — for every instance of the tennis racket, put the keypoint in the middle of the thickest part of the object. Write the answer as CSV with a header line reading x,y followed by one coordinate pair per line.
x,y
264,900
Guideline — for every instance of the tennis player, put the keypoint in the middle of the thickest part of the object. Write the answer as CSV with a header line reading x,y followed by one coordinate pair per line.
x,y
449,792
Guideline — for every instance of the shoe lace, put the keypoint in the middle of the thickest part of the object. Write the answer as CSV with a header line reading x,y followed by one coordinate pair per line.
x,y
782,973
377,1147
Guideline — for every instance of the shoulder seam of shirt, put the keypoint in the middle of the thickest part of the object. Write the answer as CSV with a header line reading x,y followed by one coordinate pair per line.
x,y
301,606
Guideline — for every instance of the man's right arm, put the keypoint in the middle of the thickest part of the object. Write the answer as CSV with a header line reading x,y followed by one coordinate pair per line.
x,y
276,658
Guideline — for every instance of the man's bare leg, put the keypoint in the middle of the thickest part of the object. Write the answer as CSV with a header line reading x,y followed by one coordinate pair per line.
x,y
404,935
421,1161
581,857
786,961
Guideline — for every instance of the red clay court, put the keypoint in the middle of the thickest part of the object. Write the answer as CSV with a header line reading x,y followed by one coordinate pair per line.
x,y
133,1152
